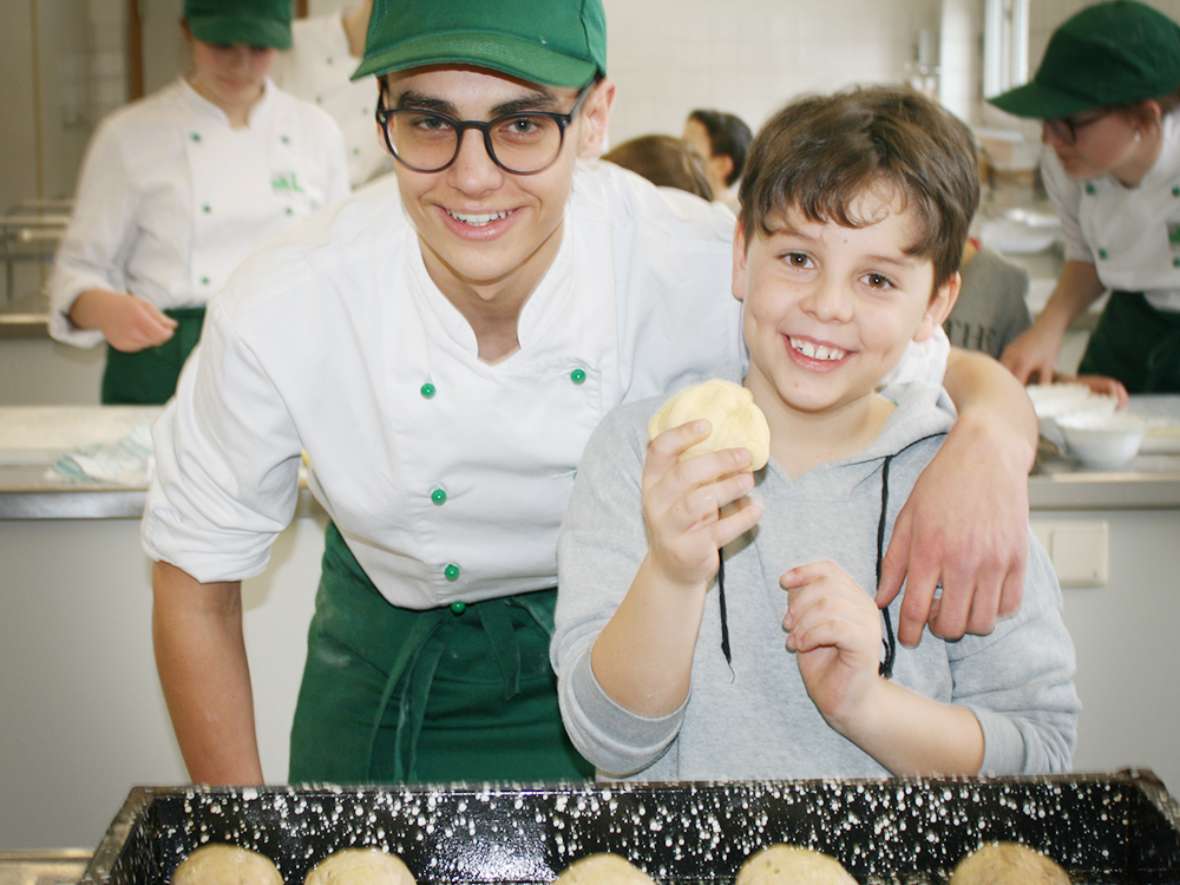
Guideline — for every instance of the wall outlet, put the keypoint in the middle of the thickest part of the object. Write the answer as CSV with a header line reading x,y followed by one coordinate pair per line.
x,y
1080,551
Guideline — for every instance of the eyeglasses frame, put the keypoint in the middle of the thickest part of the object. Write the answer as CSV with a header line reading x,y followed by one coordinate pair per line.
x,y
1066,128
383,115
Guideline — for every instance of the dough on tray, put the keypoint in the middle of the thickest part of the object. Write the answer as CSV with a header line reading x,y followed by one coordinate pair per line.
x,y
1001,863
737,421
219,864
360,866
603,869
792,863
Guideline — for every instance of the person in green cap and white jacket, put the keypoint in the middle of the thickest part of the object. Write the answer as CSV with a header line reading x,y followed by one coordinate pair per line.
x,y
178,188
443,347
1108,90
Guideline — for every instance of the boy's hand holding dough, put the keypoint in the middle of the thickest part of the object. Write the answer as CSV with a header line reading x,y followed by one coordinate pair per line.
x,y
736,422
704,444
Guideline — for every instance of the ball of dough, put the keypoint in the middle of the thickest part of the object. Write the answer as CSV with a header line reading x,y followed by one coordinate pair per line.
x,y
737,421
360,866
792,863
219,864
1001,863
603,869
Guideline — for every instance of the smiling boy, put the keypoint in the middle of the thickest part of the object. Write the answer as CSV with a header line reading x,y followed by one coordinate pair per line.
x,y
854,212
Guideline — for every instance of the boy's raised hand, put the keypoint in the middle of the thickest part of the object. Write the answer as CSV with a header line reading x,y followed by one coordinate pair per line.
x,y
683,500
834,629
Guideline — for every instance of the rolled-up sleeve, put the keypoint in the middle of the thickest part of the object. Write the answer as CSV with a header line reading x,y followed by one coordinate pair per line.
x,y
601,545
99,238
1019,681
227,462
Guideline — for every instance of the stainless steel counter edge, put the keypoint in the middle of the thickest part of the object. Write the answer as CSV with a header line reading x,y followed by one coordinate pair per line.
x,y
24,325
99,503
1064,491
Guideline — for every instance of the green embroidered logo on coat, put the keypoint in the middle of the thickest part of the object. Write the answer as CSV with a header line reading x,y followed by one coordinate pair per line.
x,y
286,182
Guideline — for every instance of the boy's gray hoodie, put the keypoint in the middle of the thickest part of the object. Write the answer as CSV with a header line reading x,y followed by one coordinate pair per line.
x,y
756,720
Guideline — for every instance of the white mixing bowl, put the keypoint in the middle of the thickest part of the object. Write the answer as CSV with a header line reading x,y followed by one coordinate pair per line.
x,y
1102,440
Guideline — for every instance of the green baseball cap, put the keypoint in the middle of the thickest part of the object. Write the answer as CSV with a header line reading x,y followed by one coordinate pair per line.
x,y
555,42
1108,54
256,22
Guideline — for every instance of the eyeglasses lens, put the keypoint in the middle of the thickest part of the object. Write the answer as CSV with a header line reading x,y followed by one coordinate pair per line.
x,y
521,143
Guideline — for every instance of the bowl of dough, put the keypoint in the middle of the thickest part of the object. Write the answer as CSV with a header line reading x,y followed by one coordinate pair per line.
x,y
1103,441
1056,402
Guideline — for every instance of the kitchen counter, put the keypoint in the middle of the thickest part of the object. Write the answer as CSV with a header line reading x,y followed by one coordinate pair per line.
x,y
32,438
51,867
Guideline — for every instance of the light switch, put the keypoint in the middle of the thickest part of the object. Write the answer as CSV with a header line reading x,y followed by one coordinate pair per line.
x,y
1079,550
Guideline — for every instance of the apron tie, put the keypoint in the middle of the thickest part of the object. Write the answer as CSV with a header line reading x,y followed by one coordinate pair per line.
x,y
410,716
497,623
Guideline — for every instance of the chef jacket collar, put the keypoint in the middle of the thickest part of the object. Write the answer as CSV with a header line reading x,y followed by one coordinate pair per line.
x,y
537,315
207,109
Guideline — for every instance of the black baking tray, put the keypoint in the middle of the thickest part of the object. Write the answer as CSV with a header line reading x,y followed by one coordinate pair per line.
x,y
1116,827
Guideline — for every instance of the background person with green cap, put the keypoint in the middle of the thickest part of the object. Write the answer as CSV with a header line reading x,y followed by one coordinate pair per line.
x,y
1107,91
178,188
443,352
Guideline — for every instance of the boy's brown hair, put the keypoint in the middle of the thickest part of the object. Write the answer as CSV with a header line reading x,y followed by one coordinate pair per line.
x,y
819,153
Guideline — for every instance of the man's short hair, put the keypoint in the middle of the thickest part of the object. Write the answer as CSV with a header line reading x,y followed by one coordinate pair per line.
x,y
729,136
820,153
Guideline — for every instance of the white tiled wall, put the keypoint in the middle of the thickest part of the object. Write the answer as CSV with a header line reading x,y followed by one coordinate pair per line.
x,y
750,56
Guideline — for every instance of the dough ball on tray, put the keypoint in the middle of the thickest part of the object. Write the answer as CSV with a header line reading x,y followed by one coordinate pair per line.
x,y
360,866
1007,863
219,864
603,869
737,422
792,863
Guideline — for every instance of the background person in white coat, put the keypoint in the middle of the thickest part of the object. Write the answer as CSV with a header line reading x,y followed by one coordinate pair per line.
x,y
325,50
178,188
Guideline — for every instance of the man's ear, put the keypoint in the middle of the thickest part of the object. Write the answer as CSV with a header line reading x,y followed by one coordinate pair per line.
x,y
940,306
596,120
740,262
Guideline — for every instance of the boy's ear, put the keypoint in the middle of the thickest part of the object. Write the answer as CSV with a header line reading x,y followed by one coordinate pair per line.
x,y
939,308
740,260
596,114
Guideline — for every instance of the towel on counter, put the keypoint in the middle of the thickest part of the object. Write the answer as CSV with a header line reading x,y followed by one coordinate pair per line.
x,y
127,461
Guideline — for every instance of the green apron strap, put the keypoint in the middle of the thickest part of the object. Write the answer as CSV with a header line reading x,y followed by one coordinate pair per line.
x,y
494,617
412,710
406,660
149,376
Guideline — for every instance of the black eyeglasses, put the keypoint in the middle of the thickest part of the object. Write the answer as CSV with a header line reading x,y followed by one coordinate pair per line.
x,y
1066,128
522,144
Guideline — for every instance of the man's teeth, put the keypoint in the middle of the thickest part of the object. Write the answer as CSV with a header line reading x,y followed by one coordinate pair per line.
x,y
477,220
817,352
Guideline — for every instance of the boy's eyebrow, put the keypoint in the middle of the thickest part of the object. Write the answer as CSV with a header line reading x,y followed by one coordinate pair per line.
x,y
904,260
534,101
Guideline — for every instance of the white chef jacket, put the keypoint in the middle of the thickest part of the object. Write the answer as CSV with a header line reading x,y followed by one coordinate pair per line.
x,y
424,456
317,68
1130,235
171,198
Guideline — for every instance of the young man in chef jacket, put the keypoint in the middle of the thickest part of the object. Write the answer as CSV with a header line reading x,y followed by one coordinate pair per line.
x,y
443,354
680,655
177,189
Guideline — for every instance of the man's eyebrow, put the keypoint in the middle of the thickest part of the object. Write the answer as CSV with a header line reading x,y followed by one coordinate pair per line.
x,y
418,101
534,101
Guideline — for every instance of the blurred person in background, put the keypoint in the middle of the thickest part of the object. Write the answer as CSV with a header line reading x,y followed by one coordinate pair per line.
x,y
1107,92
723,140
665,161
325,50
178,188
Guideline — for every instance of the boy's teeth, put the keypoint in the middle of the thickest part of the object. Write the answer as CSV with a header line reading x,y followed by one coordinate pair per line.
x,y
820,352
477,220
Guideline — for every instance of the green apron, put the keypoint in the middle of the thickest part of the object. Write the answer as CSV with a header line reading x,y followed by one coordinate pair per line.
x,y
148,376
395,695
1137,344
